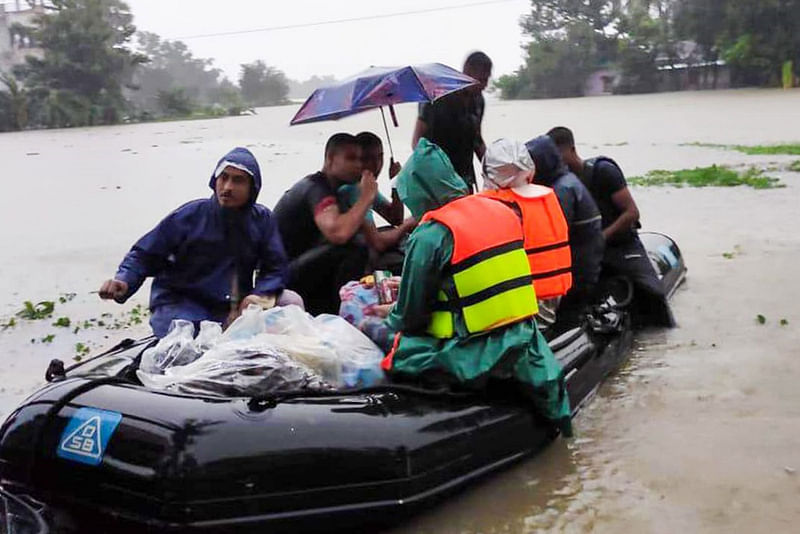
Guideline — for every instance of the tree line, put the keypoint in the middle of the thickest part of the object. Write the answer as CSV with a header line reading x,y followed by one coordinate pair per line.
x,y
95,68
568,40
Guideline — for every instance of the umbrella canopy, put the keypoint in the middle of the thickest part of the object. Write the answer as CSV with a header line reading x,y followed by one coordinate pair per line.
x,y
381,86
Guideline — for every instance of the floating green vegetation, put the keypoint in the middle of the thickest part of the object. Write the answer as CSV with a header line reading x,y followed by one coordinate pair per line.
x,y
62,322
794,166
40,310
713,176
754,150
11,323
730,255
784,322
66,297
760,319
81,350
48,338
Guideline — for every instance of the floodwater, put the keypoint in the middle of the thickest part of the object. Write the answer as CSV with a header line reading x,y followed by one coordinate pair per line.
x,y
699,432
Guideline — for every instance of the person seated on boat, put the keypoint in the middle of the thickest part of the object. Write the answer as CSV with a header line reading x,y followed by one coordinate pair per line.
x,y
508,173
585,232
203,255
465,304
624,253
320,234
386,243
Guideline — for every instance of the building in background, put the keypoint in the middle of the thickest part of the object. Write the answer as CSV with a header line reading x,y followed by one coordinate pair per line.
x,y
15,41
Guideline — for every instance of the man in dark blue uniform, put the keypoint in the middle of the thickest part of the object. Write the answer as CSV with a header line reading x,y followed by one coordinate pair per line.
x,y
624,253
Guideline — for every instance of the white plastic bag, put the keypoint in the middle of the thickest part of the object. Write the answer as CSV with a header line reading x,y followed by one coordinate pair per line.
x,y
358,357
262,350
176,348
244,367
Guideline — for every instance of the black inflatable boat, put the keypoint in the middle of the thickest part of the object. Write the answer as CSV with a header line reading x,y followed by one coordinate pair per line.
x,y
94,451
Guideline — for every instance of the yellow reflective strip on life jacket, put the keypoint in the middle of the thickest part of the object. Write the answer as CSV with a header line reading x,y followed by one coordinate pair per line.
x,y
492,271
441,324
504,308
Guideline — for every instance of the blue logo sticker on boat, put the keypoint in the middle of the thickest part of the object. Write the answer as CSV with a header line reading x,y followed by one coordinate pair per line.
x,y
86,435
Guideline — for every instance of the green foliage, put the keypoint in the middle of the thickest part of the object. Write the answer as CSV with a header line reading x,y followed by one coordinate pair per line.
x,y
62,322
175,102
784,322
713,176
794,166
792,149
759,40
786,148
48,338
262,85
11,323
81,350
568,41
85,64
787,75
41,310
760,319
175,83
13,104
755,37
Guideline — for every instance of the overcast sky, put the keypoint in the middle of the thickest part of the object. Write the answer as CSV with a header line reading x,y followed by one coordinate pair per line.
x,y
339,49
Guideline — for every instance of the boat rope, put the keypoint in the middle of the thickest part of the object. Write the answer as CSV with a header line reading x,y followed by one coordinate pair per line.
x,y
270,400
56,371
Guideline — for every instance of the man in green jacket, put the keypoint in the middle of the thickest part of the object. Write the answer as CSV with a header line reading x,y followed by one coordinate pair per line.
x,y
516,352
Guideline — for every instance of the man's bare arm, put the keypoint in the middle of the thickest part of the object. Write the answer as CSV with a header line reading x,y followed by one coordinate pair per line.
x,y
338,227
629,215
383,241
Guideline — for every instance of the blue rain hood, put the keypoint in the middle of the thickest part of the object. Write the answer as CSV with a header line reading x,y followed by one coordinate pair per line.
x,y
242,159
203,258
547,158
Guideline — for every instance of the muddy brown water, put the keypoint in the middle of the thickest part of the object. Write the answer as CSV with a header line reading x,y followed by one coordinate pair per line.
x,y
699,432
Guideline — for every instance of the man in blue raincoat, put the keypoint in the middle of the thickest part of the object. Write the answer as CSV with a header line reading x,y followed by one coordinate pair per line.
x,y
203,255
586,240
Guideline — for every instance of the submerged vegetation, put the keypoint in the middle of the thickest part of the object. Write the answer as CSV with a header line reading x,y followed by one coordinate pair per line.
x,y
792,149
35,313
713,176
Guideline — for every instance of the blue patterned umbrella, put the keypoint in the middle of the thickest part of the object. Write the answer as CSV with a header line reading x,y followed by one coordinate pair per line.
x,y
382,86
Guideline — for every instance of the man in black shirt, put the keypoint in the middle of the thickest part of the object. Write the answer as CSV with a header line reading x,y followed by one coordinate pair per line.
x,y
319,233
454,121
624,254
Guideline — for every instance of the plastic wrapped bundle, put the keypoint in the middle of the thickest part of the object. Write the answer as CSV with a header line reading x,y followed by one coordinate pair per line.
x,y
262,351
241,368
178,347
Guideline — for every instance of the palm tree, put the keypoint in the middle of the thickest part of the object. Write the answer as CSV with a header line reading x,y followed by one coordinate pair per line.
x,y
14,102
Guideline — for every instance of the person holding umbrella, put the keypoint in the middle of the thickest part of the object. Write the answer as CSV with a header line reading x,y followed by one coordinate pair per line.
x,y
453,122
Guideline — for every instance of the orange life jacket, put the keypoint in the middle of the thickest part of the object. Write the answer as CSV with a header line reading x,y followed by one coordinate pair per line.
x,y
546,237
491,276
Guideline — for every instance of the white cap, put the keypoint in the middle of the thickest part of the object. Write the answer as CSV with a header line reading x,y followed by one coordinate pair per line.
x,y
506,164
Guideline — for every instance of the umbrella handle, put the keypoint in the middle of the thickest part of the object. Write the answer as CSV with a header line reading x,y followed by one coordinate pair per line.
x,y
386,129
394,116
